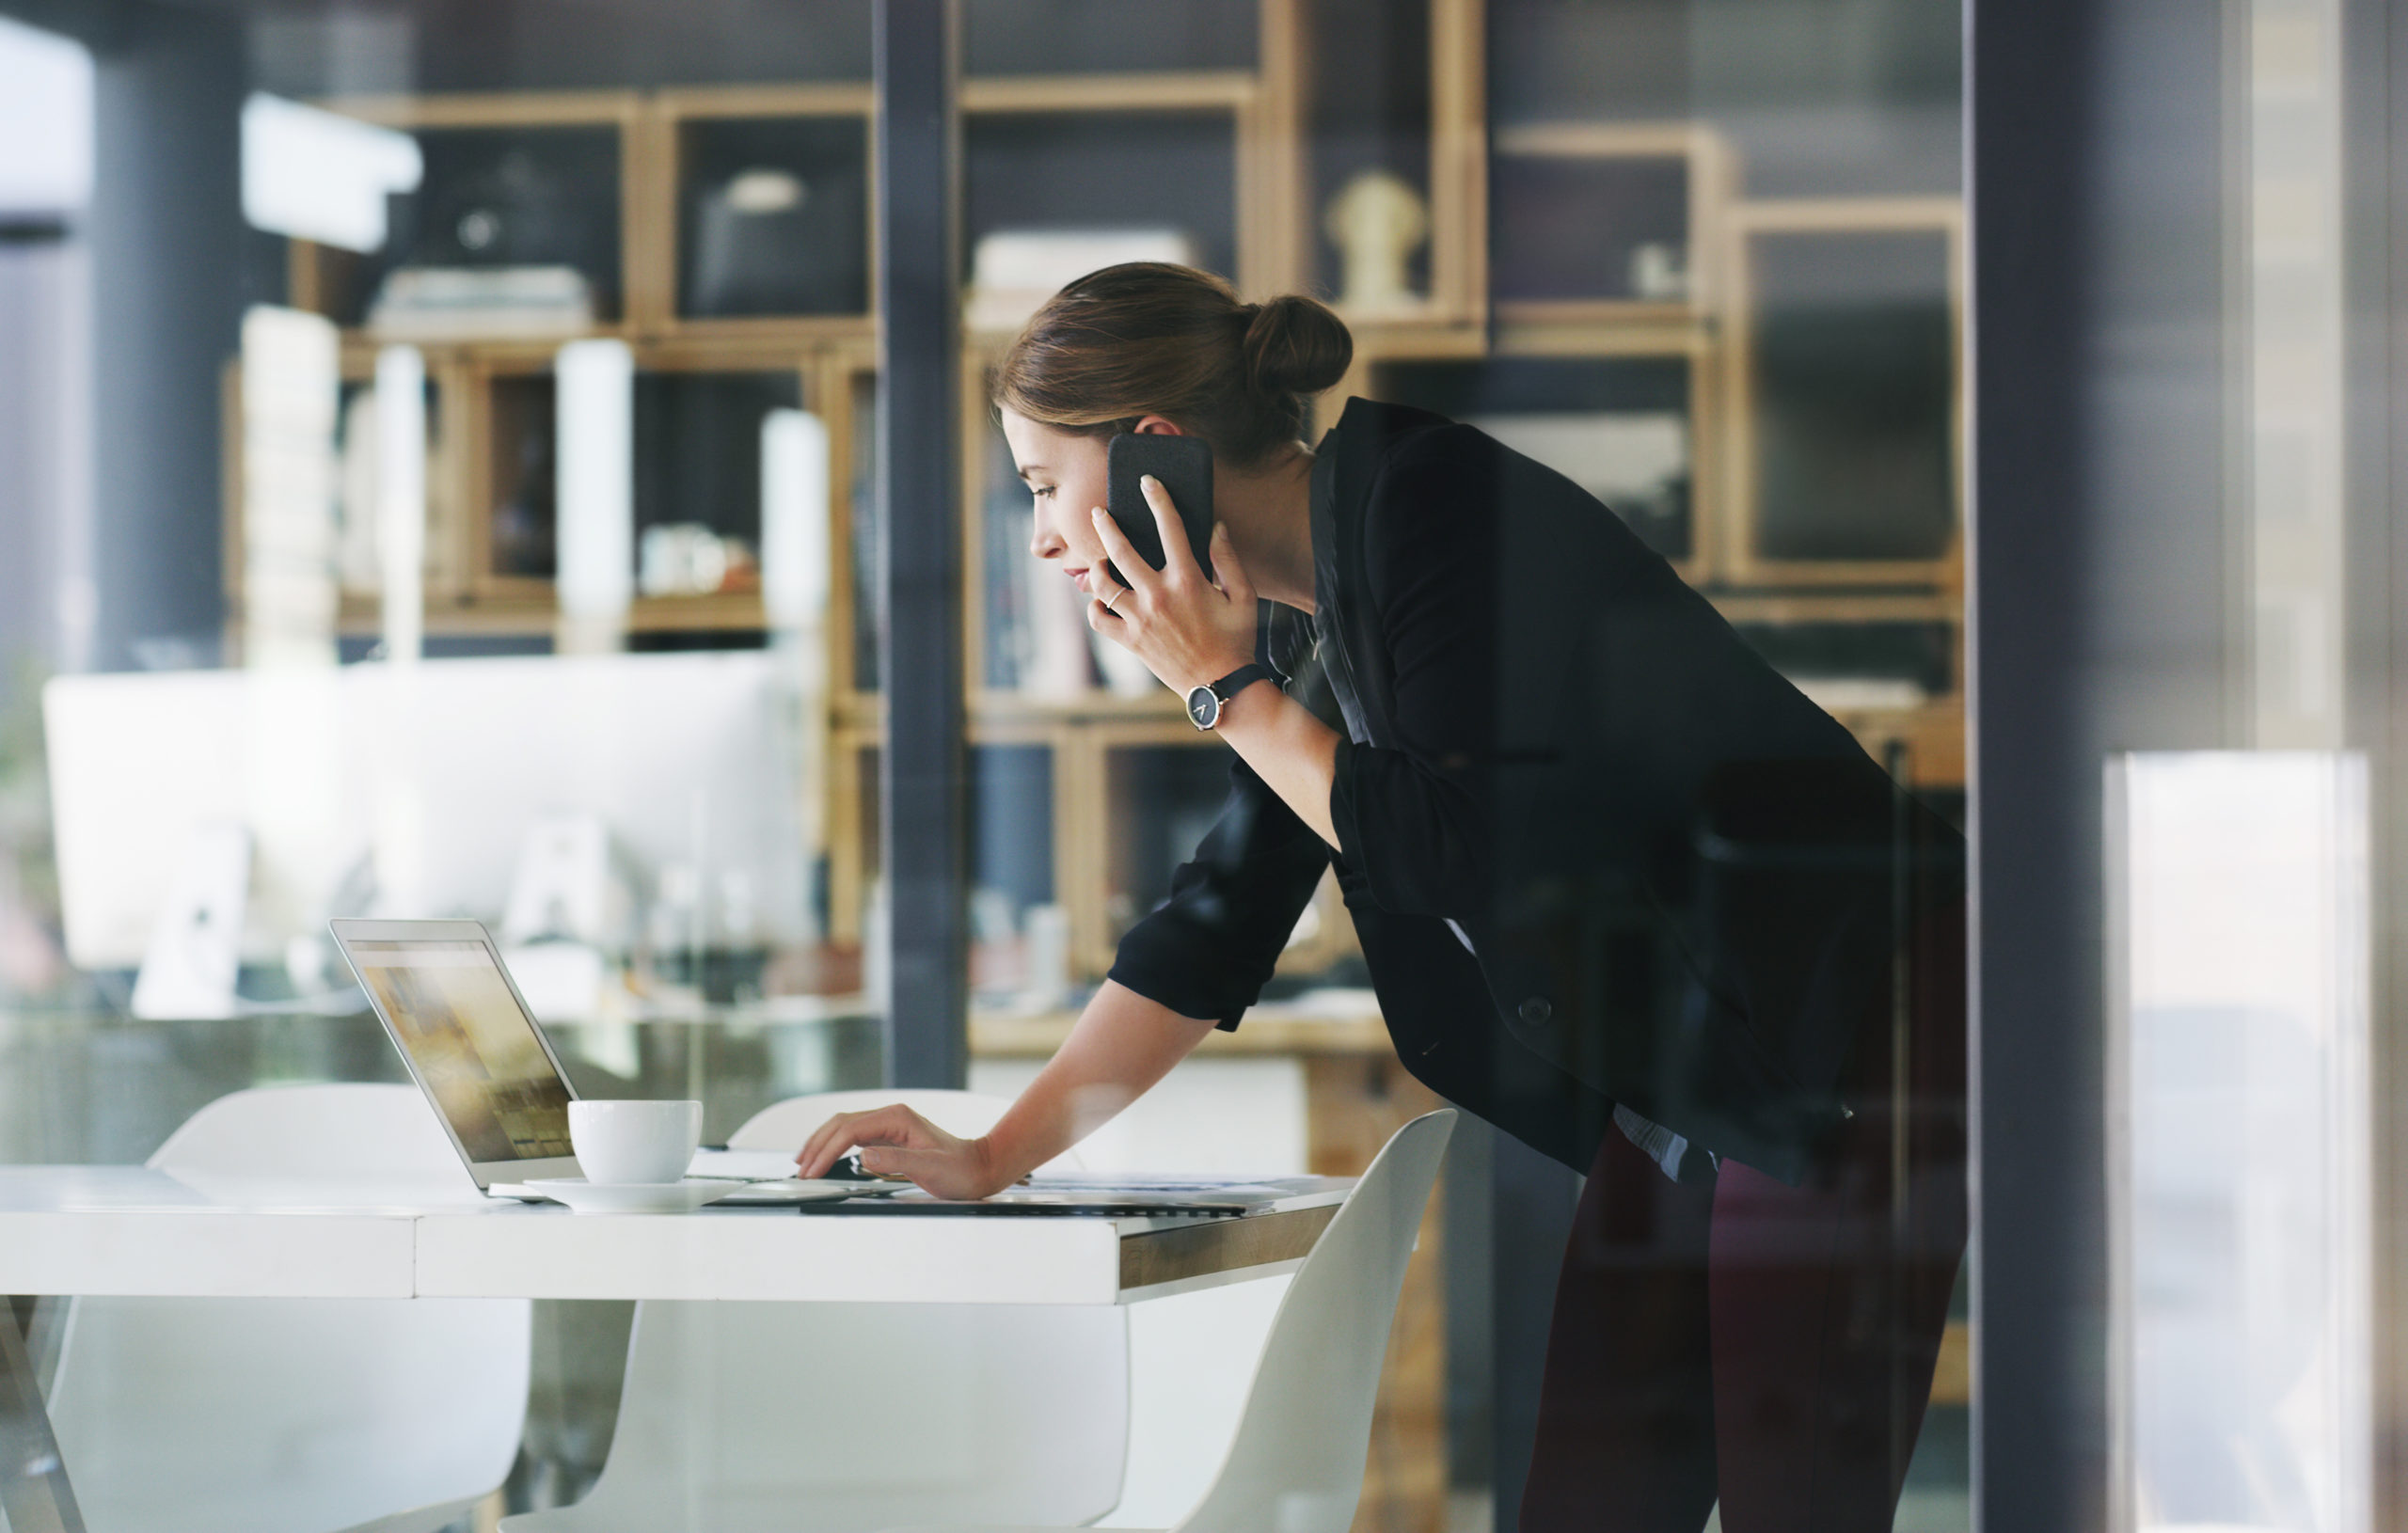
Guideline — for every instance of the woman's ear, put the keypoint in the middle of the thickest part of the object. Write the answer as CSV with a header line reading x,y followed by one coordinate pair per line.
x,y
1155,425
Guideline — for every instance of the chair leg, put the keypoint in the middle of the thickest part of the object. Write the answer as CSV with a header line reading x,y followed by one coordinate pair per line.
x,y
35,1495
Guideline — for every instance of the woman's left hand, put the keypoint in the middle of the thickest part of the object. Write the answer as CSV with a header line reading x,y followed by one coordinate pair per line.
x,y
1190,630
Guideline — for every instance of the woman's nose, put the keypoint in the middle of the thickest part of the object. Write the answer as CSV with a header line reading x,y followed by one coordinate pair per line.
x,y
1043,540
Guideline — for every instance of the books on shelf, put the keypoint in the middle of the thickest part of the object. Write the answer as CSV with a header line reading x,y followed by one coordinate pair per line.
x,y
482,303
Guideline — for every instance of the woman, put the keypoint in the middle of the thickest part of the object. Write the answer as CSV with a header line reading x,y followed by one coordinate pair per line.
x,y
1623,891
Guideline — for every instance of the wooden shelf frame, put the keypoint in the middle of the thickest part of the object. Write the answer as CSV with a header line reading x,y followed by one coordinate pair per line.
x,y
1838,216
659,125
1713,181
620,109
1458,149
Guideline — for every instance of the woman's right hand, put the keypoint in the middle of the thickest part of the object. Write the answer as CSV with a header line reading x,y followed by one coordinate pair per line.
x,y
897,1141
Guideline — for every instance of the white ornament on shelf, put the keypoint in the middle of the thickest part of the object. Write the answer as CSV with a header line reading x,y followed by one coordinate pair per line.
x,y
1377,221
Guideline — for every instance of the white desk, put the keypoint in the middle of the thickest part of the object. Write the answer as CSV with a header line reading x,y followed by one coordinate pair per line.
x,y
125,1230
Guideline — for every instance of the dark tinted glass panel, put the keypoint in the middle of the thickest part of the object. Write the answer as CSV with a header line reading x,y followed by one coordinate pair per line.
x,y
495,198
774,217
1118,170
1563,227
1854,395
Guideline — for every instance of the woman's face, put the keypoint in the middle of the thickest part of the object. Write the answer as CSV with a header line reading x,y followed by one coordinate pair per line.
x,y
1066,476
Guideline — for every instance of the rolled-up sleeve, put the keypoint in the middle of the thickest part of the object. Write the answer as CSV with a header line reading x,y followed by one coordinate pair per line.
x,y
1207,951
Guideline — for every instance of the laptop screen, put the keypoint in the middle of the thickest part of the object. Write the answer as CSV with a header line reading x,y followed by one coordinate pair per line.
x,y
472,1043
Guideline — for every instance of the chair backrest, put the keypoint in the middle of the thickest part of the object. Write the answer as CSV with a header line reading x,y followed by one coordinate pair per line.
x,y
330,1130
290,1415
1296,1465
749,1417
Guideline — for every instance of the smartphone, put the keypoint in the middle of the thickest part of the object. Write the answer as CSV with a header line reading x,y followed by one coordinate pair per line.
x,y
1184,464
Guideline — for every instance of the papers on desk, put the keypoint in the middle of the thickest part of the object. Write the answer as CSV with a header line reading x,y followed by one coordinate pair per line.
x,y
1108,1196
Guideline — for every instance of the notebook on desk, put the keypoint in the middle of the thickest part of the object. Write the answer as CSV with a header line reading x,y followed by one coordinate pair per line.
x,y
472,1046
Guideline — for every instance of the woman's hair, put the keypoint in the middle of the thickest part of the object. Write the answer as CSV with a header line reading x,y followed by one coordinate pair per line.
x,y
1151,338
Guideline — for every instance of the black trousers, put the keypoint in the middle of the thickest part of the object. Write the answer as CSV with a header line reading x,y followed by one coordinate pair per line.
x,y
1733,1336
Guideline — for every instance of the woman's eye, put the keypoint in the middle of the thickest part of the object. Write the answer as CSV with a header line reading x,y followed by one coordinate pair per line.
x,y
1042,491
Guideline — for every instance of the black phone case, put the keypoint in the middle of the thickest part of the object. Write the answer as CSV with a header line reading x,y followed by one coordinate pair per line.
x,y
1184,464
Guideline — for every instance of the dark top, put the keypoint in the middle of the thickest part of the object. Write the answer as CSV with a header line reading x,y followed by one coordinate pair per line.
x,y
1599,854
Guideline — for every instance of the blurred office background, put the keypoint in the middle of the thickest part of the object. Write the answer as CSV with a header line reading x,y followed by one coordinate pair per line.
x,y
440,474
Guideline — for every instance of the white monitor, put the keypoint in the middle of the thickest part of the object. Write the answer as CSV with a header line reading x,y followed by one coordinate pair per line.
x,y
433,773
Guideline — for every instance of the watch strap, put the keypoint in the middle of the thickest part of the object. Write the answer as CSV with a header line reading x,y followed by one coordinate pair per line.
x,y
1240,679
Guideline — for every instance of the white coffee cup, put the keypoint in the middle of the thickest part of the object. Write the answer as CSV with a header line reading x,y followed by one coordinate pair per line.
x,y
624,1141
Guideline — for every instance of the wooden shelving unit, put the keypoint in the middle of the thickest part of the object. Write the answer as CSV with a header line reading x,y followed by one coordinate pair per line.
x,y
1597,258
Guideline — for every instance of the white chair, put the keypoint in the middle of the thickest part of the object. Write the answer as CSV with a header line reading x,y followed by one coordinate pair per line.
x,y
1297,1464
293,1415
840,1418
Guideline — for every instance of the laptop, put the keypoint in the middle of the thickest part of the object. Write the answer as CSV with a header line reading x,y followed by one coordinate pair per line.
x,y
489,1072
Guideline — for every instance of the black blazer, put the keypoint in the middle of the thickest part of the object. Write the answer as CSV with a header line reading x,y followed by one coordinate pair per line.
x,y
1596,850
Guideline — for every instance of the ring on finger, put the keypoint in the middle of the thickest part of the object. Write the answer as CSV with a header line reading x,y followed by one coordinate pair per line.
x,y
1114,597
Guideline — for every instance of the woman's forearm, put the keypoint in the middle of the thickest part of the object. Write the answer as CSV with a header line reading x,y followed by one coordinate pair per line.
x,y
1294,753
1120,1046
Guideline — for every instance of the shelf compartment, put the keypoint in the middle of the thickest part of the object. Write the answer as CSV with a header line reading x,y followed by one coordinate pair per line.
x,y
1148,162
1013,852
1394,88
697,463
772,211
1160,794
357,556
512,181
1845,420
1605,220
1625,428
1367,111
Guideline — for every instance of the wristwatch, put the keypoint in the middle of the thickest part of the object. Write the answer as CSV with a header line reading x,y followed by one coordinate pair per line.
x,y
1204,702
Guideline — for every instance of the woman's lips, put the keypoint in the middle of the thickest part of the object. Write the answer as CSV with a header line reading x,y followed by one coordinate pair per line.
x,y
1079,578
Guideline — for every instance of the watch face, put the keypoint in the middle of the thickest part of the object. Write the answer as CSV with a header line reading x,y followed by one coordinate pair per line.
x,y
1203,708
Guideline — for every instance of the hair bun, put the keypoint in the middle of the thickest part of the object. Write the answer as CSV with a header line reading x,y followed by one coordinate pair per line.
x,y
1294,346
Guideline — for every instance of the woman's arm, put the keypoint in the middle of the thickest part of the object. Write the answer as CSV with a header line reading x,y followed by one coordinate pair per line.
x,y
1191,630
1120,1046
1294,753
1409,818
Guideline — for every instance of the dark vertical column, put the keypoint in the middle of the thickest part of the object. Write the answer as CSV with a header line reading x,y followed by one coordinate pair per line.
x,y
2101,580
41,309
167,250
920,496
2375,207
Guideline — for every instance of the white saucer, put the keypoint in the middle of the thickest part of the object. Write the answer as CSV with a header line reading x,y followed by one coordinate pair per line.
x,y
633,1196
